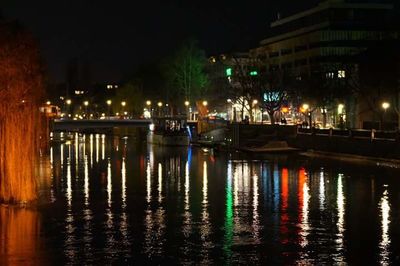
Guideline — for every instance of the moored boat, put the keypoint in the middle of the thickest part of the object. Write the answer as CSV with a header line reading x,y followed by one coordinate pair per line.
x,y
169,131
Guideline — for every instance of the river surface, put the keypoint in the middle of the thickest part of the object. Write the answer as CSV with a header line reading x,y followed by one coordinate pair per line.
x,y
114,200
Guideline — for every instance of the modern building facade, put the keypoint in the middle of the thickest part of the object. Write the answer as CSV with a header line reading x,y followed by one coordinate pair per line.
x,y
325,40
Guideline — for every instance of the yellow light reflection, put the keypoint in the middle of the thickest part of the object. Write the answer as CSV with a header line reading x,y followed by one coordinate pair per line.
x,y
109,184
86,181
340,206
76,151
205,228
62,155
305,227
187,186
91,149
148,182
19,236
384,245
69,184
256,220
123,176
97,147
205,184
321,190
103,147
159,182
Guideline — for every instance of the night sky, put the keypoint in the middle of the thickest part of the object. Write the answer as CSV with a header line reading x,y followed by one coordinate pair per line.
x,y
118,36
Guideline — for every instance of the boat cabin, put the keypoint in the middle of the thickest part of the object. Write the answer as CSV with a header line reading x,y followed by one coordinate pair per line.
x,y
172,125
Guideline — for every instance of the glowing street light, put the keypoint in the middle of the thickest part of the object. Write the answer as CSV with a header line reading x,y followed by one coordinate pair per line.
x,y
305,107
255,102
123,103
48,102
86,103
228,100
148,102
187,103
205,103
385,105
340,108
159,104
109,102
68,102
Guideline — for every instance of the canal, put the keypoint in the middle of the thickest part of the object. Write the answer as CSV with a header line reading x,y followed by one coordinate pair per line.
x,y
115,200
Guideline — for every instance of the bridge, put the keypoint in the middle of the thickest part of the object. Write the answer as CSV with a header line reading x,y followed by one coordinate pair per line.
x,y
92,124
101,124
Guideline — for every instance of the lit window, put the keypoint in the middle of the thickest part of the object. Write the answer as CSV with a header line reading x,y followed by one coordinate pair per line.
x,y
330,75
341,74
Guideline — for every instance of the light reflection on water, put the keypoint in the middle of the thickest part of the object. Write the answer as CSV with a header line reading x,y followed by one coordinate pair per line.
x,y
384,245
139,204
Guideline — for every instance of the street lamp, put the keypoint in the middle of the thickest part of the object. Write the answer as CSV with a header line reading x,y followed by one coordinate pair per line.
x,y
68,102
205,103
385,106
340,112
123,103
109,102
148,102
48,102
187,103
86,104
159,104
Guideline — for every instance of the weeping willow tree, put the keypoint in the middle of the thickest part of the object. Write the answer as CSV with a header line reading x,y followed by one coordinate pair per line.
x,y
20,126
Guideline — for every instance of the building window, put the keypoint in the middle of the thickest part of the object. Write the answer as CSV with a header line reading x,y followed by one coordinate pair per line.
x,y
330,75
341,74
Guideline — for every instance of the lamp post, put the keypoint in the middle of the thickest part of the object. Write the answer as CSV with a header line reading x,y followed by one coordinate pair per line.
x,y
123,104
68,102
148,104
109,102
253,109
86,104
385,106
159,104
305,110
187,103
340,113
229,102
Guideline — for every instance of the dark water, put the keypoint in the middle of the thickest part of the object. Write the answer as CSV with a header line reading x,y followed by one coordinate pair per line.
x,y
110,200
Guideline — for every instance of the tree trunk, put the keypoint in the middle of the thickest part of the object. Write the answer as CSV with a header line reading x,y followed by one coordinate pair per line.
x,y
272,117
324,119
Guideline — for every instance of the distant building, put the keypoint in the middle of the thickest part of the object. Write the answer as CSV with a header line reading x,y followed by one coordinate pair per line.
x,y
325,40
